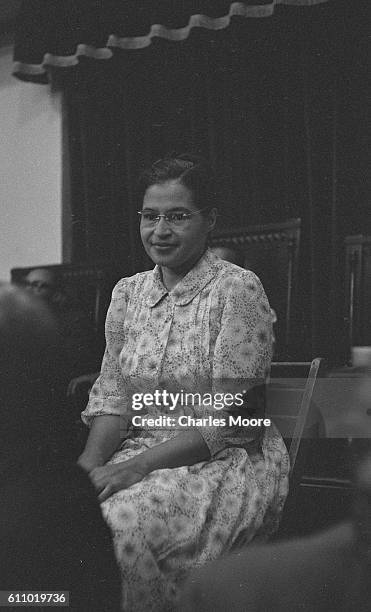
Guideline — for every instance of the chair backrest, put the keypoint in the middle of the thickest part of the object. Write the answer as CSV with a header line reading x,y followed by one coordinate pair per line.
x,y
272,252
289,404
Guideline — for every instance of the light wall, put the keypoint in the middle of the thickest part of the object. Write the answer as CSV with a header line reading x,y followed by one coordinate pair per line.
x,y
30,172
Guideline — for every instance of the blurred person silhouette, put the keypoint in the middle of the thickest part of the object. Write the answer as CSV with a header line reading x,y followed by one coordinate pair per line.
x,y
52,534
44,283
77,336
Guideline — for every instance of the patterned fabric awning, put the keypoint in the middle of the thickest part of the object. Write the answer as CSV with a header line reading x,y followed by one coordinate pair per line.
x,y
56,33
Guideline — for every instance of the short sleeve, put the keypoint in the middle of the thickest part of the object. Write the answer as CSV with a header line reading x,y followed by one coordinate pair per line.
x,y
241,359
108,395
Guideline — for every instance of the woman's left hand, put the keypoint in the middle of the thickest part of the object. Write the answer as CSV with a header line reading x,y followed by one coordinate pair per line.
x,y
113,477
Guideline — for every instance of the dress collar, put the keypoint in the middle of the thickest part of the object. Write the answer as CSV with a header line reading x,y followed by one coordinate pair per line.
x,y
189,286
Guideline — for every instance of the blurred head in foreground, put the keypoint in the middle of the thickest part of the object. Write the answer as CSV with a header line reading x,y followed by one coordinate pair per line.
x,y
28,362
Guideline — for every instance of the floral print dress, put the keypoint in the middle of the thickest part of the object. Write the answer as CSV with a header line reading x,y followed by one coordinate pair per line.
x,y
213,332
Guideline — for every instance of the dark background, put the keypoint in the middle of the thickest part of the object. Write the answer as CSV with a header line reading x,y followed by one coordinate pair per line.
x,y
278,104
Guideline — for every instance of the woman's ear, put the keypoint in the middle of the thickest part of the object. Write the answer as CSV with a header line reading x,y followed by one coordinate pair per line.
x,y
212,215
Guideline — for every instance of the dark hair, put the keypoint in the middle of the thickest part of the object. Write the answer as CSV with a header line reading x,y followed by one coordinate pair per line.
x,y
192,171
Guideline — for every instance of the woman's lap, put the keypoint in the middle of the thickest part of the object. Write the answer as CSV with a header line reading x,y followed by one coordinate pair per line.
x,y
176,519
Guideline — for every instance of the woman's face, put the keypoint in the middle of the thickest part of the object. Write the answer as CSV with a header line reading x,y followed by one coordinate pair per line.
x,y
176,247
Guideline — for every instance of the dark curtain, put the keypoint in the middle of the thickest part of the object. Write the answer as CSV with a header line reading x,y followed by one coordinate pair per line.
x,y
55,33
277,104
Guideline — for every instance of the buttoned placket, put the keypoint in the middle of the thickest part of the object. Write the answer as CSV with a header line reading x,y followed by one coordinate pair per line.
x,y
167,325
180,297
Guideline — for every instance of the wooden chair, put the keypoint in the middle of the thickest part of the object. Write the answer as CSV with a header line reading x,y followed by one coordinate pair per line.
x,y
289,404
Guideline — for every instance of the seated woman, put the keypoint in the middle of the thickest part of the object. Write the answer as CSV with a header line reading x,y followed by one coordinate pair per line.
x,y
181,489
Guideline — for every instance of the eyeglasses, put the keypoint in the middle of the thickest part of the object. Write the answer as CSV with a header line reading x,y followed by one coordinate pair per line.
x,y
37,285
176,219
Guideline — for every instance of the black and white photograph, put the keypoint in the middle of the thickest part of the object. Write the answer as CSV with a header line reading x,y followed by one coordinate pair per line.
x,y
185,299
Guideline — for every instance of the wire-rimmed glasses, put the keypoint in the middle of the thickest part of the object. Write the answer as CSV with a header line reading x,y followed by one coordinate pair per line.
x,y
176,219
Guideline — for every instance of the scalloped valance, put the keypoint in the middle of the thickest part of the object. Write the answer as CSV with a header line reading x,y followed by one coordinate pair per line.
x,y
51,33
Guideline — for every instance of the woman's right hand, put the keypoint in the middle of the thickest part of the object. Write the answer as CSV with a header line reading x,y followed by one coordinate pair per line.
x,y
111,478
